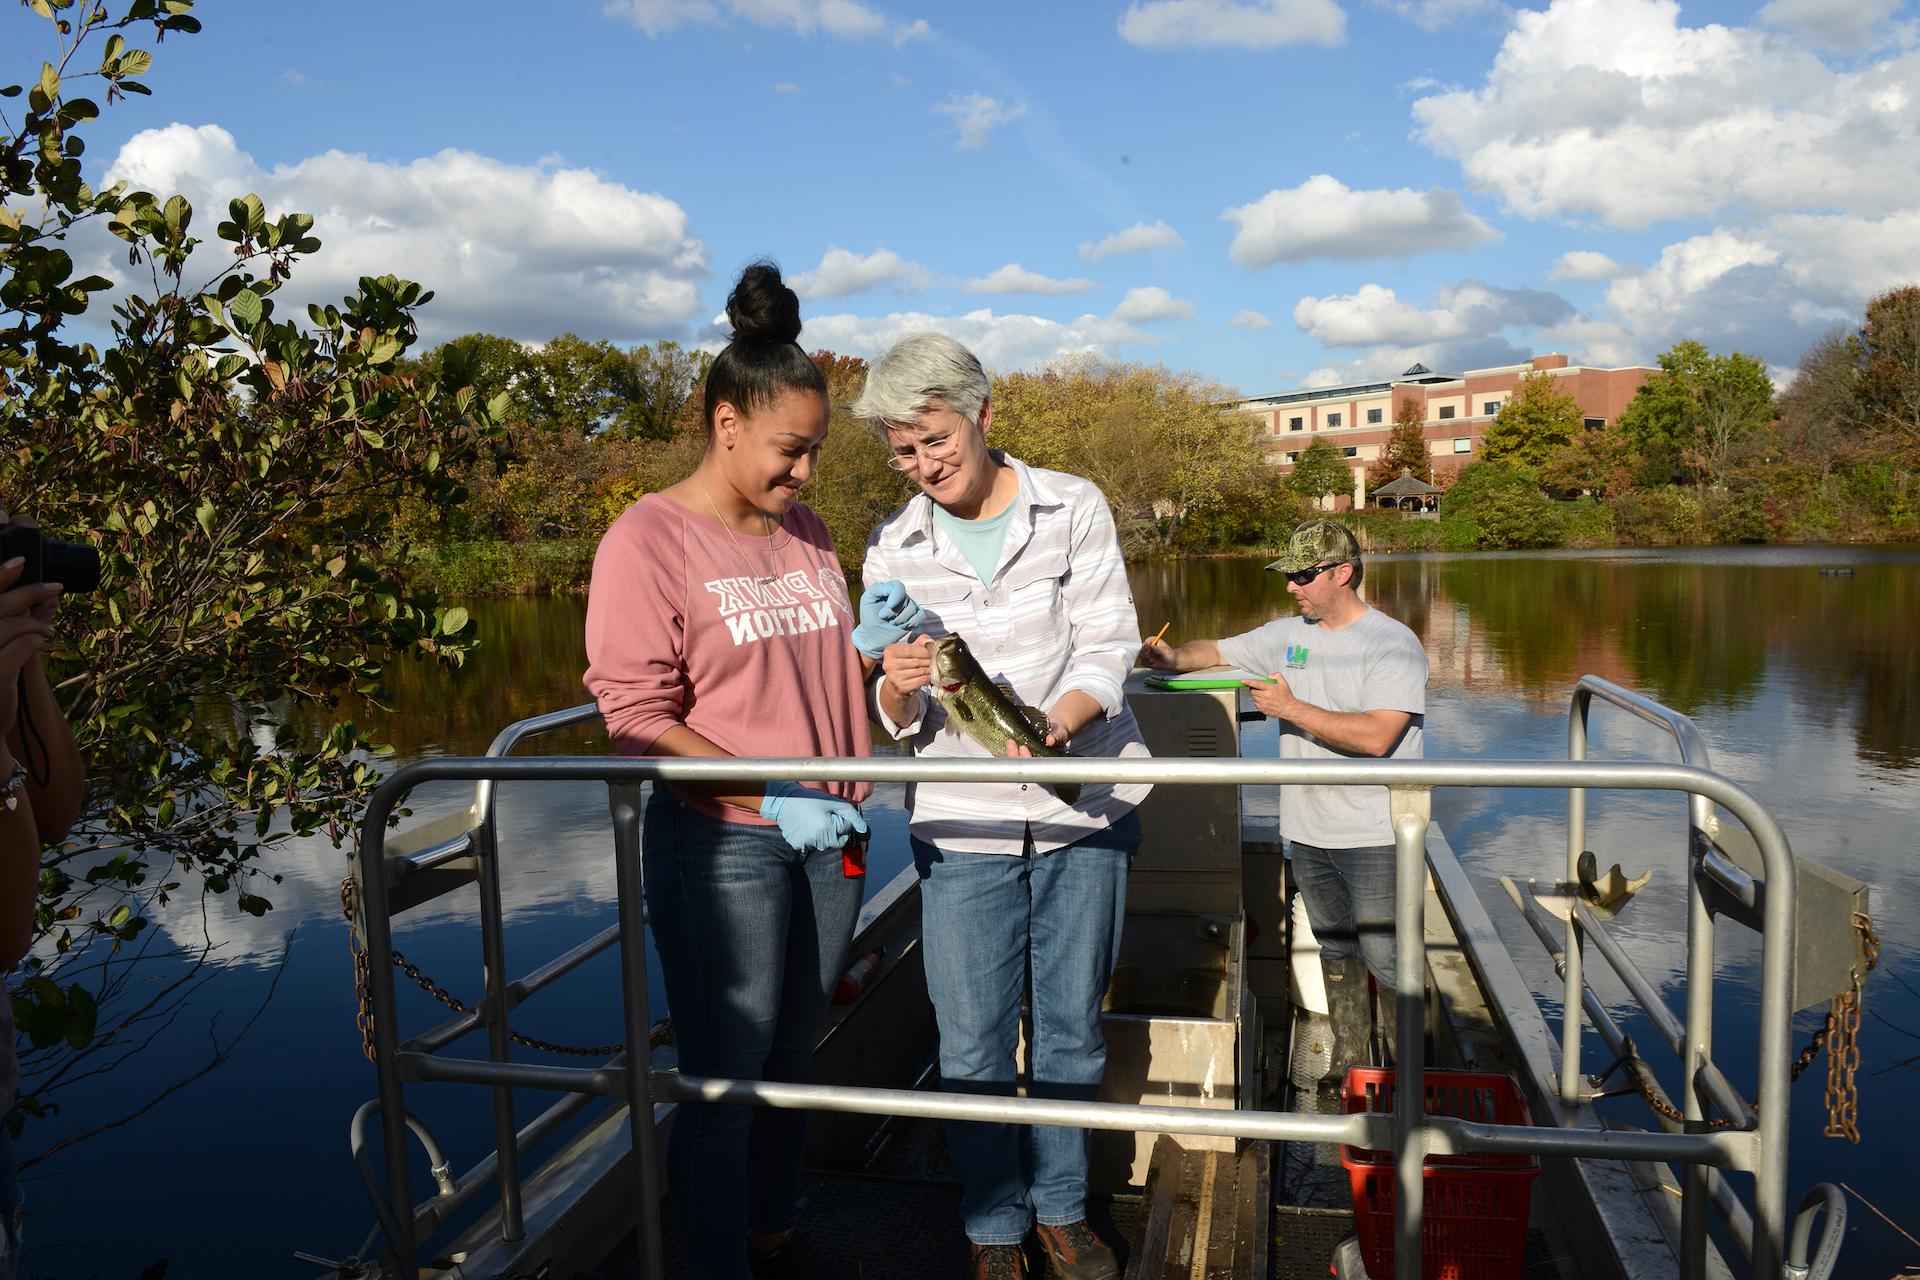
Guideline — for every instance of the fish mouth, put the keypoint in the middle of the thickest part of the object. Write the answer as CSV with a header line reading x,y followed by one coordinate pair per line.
x,y
952,686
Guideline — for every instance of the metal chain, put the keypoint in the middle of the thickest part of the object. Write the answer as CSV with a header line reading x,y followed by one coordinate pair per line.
x,y
1841,1029
662,1032
1843,1026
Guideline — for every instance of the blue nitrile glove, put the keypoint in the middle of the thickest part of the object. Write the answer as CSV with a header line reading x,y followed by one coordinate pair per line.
x,y
887,616
812,821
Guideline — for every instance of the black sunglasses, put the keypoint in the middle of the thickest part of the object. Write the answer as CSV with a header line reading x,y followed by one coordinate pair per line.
x,y
1301,577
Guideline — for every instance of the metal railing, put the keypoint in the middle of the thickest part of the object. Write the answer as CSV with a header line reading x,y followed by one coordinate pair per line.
x,y
1760,1147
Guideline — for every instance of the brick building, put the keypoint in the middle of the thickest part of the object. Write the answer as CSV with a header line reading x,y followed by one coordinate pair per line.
x,y
1455,409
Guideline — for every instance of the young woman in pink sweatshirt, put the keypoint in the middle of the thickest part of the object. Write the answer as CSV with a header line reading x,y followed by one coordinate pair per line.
x,y
719,624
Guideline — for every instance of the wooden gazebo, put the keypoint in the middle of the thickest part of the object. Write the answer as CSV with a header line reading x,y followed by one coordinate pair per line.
x,y
1406,491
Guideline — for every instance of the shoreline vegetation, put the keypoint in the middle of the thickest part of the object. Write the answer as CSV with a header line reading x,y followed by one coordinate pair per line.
x,y
1706,453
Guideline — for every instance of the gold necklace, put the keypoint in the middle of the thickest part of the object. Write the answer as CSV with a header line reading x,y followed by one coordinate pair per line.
x,y
764,579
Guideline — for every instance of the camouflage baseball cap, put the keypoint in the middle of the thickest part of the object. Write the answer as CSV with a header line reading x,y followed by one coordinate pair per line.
x,y
1317,542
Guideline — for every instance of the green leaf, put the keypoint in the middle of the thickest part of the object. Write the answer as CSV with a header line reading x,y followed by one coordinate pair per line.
x,y
254,905
374,439
119,916
84,1013
245,309
204,514
49,81
454,621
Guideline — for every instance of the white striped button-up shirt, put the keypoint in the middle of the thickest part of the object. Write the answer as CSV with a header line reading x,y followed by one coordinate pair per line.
x,y
1057,616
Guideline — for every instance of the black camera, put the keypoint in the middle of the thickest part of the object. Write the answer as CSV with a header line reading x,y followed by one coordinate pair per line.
x,y
74,565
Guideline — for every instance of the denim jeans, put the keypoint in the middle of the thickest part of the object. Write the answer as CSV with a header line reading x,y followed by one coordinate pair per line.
x,y
992,928
752,937
1349,897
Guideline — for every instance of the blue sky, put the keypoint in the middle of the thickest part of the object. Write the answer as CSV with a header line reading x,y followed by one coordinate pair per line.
x,y
1264,192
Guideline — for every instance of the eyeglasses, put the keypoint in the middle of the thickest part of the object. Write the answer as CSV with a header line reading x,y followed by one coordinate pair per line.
x,y
1301,577
945,449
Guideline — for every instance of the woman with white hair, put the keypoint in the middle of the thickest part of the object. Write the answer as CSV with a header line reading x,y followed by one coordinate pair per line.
x,y
1019,889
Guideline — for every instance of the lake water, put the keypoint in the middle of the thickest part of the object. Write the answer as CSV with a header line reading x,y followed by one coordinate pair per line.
x,y
1806,686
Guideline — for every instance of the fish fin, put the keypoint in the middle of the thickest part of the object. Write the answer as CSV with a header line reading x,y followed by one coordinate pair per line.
x,y
1035,717
958,707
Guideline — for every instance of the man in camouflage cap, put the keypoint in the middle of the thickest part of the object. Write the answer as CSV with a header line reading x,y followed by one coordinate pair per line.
x,y
1346,681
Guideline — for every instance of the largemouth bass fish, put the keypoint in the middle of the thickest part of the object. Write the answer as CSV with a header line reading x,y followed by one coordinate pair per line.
x,y
981,709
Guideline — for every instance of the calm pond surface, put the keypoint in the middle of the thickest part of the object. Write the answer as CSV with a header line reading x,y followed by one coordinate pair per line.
x,y
1806,686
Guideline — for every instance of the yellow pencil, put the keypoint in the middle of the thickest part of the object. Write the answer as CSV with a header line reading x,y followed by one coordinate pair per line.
x,y
1163,632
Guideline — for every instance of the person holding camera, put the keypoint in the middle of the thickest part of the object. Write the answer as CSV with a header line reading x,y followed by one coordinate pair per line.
x,y
719,624
38,802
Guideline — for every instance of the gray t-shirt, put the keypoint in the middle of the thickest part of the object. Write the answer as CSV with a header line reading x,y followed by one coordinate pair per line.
x,y
1372,664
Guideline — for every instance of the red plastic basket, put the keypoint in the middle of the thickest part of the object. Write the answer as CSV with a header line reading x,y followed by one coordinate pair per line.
x,y
1475,1221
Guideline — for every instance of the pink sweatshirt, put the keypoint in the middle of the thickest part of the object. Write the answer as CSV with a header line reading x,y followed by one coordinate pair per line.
x,y
751,649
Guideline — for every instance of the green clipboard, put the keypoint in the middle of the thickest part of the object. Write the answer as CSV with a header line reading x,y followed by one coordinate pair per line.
x,y
1189,680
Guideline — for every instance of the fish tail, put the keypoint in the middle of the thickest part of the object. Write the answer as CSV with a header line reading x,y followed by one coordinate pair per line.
x,y
1069,792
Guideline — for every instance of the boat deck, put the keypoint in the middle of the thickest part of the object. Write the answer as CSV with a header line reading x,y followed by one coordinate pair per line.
x,y
903,1222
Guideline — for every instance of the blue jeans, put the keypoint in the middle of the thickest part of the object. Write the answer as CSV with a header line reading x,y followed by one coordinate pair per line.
x,y
992,927
752,937
1349,897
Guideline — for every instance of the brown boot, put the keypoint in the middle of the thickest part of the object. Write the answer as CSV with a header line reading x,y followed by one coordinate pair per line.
x,y
1075,1253
997,1262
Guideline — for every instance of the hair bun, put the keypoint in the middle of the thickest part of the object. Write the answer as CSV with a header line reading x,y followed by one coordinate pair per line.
x,y
762,308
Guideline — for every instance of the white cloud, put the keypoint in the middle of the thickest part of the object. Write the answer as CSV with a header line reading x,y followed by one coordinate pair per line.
x,y
1150,303
1612,107
840,19
657,17
1769,289
1323,218
1431,15
975,115
1683,272
1232,24
1585,264
1138,238
786,86
1595,342
1250,319
1375,315
842,272
1014,278
1001,341
1835,24
528,251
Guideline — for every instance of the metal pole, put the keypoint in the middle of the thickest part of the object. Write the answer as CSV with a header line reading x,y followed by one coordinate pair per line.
x,y
1573,1085
1410,808
493,951
1696,1051
378,930
631,879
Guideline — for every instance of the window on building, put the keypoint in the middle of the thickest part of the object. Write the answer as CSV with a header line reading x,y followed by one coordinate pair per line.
x,y
1447,411
1462,444
1333,419
1374,415
1593,424
1293,457
1490,408
1294,424
1352,451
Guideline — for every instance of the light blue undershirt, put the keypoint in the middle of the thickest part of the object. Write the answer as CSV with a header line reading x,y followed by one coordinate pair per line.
x,y
979,540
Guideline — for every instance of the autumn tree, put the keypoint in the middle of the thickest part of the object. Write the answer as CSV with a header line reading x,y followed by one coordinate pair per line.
x,y
1597,460
1890,372
234,465
1162,446
1321,472
1536,419
1406,448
